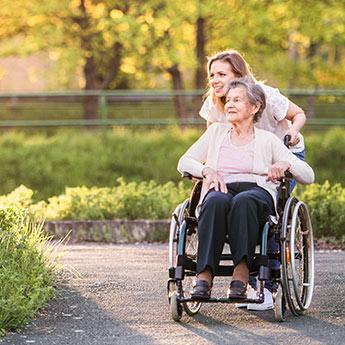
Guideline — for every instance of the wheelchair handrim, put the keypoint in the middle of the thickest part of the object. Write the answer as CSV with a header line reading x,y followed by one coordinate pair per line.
x,y
302,298
179,211
307,293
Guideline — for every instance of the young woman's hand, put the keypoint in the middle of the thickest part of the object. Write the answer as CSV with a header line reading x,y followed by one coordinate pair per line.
x,y
277,171
213,179
294,136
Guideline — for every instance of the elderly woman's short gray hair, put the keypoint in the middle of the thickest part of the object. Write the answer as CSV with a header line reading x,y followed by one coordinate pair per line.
x,y
255,93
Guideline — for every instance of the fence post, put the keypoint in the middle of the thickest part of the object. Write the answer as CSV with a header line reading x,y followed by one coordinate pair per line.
x,y
103,106
311,106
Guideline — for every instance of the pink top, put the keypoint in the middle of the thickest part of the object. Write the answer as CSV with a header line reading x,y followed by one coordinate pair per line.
x,y
235,163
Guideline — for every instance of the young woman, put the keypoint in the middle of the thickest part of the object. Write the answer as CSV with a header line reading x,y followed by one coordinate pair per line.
x,y
281,116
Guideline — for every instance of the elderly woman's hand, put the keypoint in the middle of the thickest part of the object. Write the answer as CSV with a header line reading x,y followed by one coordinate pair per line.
x,y
213,179
277,171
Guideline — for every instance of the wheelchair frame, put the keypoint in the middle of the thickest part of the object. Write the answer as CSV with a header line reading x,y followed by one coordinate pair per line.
x,y
295,277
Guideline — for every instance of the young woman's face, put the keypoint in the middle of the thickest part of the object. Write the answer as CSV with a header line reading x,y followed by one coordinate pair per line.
x,y
220,75
237,106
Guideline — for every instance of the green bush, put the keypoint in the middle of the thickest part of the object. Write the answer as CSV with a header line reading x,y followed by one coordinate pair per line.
x,y
133,200
70,158
48,164
326,205
149,200
325,153
25,275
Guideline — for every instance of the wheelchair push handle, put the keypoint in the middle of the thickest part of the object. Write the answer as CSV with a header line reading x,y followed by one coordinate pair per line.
x,y
287,138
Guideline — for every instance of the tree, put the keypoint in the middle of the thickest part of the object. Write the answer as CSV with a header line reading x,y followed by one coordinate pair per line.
x,y
135,44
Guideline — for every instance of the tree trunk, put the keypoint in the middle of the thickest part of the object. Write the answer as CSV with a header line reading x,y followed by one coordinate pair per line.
x,y
293,55
94,80
177,82
200,73
312,52
90,103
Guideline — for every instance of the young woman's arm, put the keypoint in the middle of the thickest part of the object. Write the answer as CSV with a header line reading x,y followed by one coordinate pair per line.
x,y
297,117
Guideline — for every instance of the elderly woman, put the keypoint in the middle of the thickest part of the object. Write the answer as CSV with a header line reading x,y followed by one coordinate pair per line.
x,y
240,165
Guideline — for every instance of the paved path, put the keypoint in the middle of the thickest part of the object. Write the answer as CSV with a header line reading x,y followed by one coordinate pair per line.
x,y
115,294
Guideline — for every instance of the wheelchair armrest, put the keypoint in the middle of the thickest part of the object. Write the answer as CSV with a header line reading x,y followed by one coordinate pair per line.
x,y
186,174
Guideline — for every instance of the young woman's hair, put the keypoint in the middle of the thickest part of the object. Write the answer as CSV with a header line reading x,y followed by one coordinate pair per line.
x,y
238,65
254,92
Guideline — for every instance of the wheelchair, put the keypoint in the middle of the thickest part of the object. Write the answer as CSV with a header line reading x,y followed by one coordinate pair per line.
x,y
293,281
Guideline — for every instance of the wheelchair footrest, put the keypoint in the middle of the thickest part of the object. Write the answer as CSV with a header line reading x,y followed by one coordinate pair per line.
x,y
224,300
264,273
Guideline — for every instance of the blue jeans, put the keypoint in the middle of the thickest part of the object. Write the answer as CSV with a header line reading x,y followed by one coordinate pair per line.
x,y
273,244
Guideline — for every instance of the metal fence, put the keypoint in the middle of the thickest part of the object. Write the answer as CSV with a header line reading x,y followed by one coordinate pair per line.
x,y
155,107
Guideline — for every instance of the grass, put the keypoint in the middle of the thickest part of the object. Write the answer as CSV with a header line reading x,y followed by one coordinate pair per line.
x,y
26,274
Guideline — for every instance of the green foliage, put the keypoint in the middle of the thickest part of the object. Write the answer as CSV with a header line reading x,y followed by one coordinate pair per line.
x,y
277,40
25,275
326,204
325,153
20,198
49,164
74,158
143,200
149,200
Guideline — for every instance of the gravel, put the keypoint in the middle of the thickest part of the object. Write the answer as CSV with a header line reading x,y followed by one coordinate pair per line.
x,y
116,294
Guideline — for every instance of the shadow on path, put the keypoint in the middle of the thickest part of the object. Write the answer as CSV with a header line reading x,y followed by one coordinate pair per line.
x,y
73,319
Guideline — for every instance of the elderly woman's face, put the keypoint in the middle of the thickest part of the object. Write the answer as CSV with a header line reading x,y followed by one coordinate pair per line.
x,y
237,106
220,75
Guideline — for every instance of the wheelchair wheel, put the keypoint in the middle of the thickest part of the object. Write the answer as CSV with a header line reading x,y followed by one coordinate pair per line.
x,y
297,256
174,234
191,308
191,245
279,305
175,307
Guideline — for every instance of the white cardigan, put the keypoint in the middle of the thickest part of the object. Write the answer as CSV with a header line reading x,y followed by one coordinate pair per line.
x,y
268,149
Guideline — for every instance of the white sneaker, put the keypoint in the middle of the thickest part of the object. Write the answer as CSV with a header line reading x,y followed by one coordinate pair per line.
x,y
267,305
251,294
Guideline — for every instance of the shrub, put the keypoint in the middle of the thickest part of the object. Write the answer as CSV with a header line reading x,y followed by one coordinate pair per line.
x,y
48,164
149,200
325,153
133,200
25,276
326,204
71,158
20,198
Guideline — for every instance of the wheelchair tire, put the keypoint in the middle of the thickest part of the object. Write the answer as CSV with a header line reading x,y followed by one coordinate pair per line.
x,y
191,308
279,305
297,256
176,221
175,307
